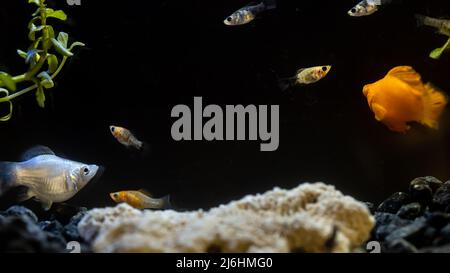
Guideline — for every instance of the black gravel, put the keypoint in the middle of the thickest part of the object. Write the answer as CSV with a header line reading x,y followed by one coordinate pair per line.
x,y
415,221
22,231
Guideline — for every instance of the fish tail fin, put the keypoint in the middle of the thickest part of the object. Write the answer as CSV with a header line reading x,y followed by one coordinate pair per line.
x,y
434,103
166,203
6,176
286,83
145,149
270,4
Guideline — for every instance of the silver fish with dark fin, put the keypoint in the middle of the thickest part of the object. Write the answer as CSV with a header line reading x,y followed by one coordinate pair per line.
x,y
367,7
49,178
248,13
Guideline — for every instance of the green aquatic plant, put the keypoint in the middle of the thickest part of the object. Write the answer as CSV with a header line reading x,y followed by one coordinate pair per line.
x,y
436,54
46,56
442,26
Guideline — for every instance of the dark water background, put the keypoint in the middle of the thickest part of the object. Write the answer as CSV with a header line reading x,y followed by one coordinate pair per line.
x,y
142,60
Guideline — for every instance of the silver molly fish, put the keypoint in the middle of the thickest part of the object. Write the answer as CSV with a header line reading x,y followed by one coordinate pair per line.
x,y
47,177
367,7
248,13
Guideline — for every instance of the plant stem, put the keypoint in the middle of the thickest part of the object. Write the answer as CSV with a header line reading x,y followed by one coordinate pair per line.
x,y
19,78
31,88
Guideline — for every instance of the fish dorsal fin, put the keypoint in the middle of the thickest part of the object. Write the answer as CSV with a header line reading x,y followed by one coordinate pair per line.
x,y
406,74
36,151
145,192
252,3
300,70
270,4
46,204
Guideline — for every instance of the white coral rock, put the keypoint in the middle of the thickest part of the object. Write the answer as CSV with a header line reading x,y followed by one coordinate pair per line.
x,y
310,218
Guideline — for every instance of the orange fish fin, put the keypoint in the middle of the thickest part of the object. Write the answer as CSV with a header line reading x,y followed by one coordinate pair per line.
x,y
145,192
406,74
379,111
366,90
399,127
434,103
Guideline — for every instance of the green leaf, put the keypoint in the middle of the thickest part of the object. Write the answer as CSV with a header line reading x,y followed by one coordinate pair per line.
x,y
36,13
35,45
33,30
63,38
61,48
436,54
58,14
8,116
46,81
22,53
36,2
33,21
76,44
49,33
40,96
53,62
7,80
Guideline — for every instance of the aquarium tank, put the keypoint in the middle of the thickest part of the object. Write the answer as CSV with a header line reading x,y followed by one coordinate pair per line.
x,y
270,126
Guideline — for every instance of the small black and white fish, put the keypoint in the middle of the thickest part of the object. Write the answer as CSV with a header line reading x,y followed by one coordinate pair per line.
x,y
367,7
47,177
305,76
248,13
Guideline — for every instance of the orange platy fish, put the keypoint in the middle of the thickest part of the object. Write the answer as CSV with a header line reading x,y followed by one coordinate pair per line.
x,y
126,138
140,199
401,97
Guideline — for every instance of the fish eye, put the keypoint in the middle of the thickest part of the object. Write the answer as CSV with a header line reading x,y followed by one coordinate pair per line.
x,y
115,195
229,19
85,170
324,68
112,129
353,10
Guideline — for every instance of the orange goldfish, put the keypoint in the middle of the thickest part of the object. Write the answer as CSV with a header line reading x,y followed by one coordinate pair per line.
x,y
401,97
140,199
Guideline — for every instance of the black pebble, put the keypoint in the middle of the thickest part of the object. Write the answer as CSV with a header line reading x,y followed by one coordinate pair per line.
x,y
70,231
420,191
441,199
437,219
20,211
410,211
20,232
394,203
441,249
410,232
417,221
401,246
431,181
386,223
51,226
445,231
371,207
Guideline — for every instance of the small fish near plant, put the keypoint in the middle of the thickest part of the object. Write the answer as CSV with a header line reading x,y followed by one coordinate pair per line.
x,y
45,57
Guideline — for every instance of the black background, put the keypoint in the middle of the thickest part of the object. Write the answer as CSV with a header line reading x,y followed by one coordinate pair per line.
x,y
143,59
